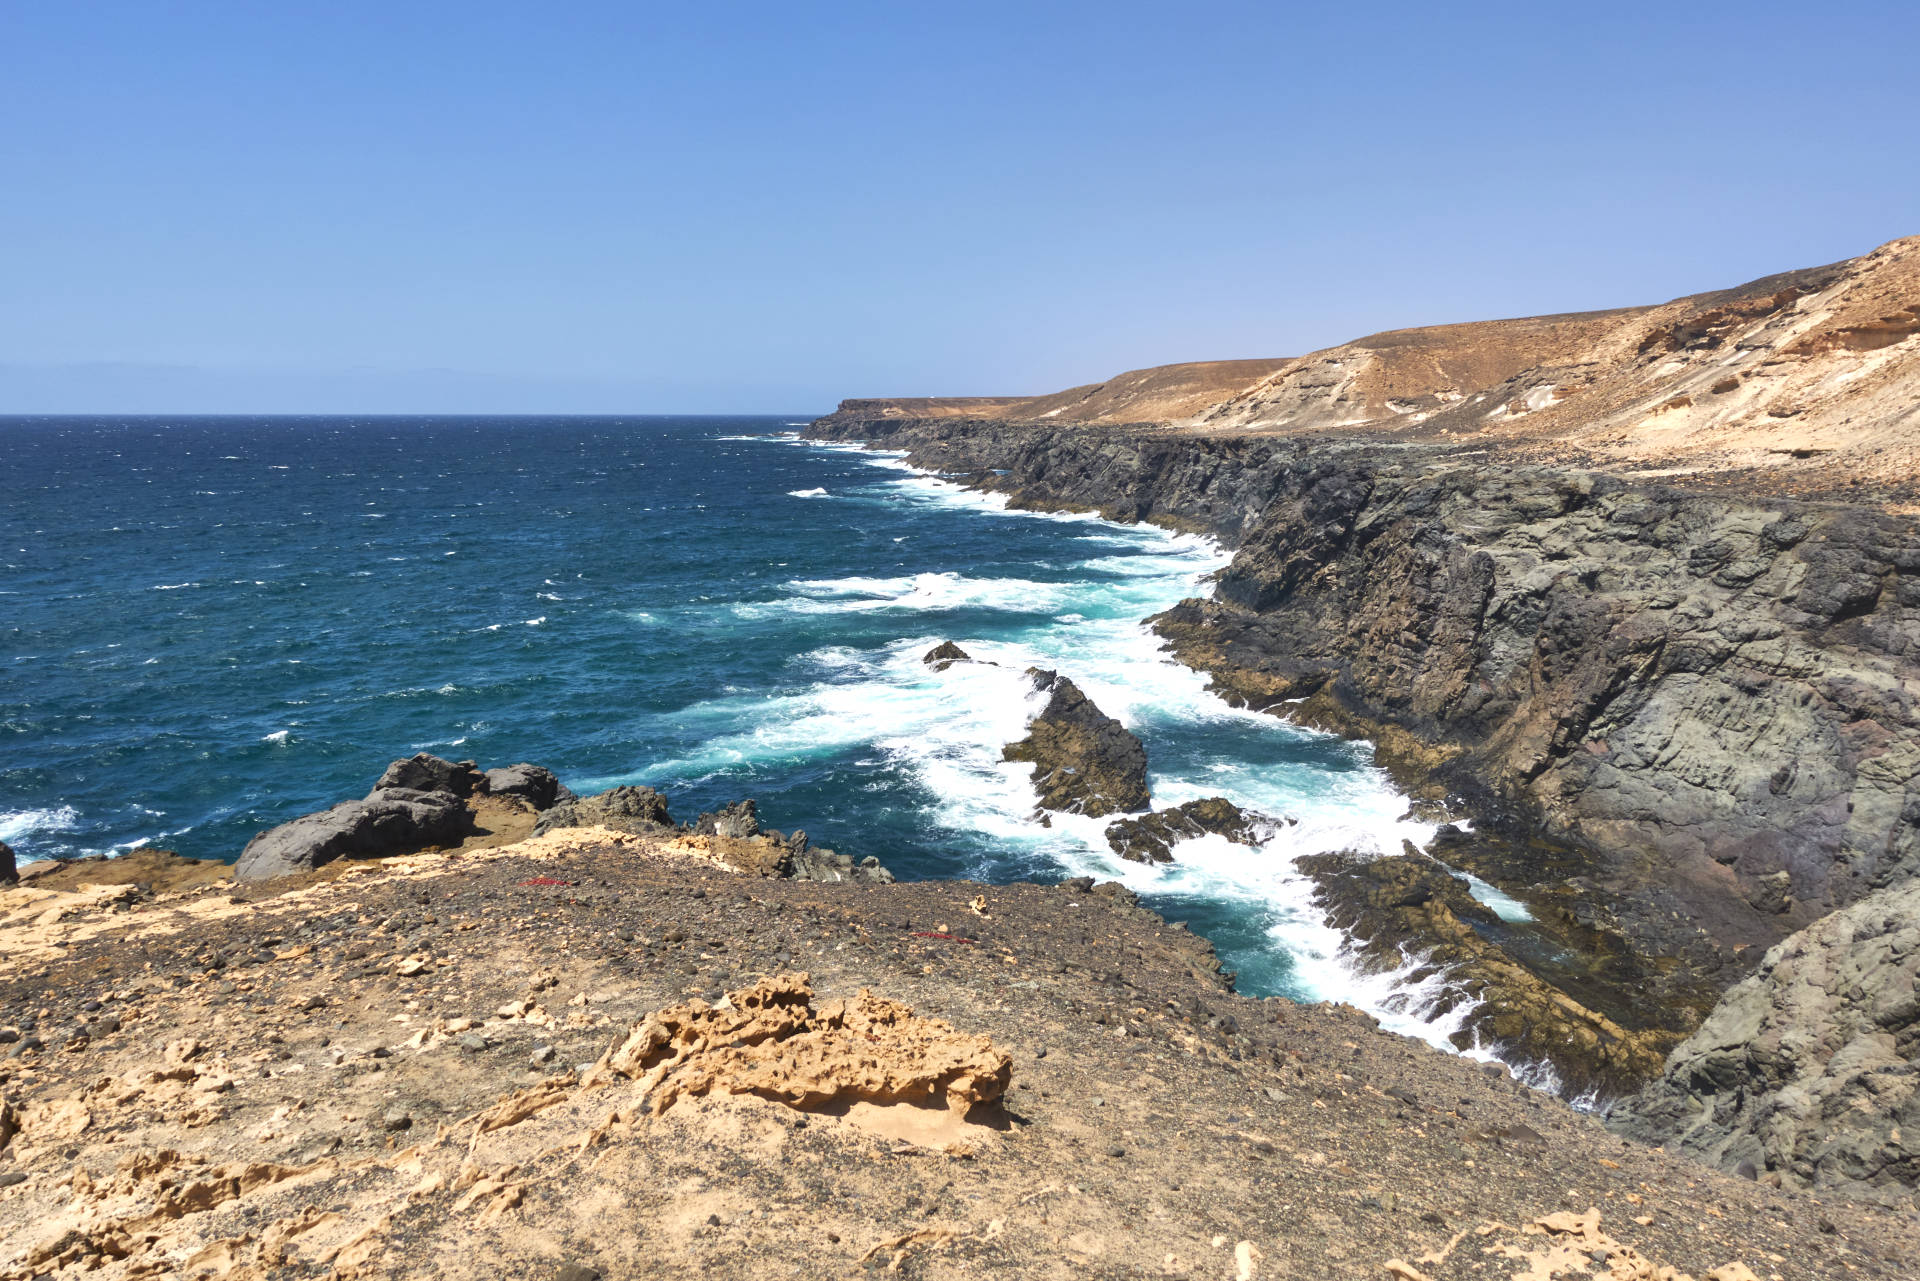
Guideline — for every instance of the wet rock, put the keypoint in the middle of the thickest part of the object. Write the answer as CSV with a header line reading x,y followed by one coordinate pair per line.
x,y
1151,837
1810,1067
623,809
9,873
1409,906
536,786
945,655
1086,762
387,821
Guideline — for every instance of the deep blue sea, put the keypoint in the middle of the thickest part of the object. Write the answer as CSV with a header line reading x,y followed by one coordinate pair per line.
x,y
209,626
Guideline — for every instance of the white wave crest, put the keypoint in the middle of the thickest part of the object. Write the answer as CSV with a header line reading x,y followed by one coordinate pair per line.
x,y
17,825
808,493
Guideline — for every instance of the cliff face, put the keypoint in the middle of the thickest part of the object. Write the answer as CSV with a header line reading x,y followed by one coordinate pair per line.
x,y
1806,1068
1704,703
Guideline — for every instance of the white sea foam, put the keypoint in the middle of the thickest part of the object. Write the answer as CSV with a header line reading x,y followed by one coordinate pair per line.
x,y
17,825
808,493
278,736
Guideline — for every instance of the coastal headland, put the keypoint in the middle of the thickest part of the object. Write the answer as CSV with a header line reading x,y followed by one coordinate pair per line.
x,y
1627,602
1626,599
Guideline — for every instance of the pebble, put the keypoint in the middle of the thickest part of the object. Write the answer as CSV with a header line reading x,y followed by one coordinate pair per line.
x,y
576,1272
1116,1151
543,1055
11,1177
396,1118
472,1042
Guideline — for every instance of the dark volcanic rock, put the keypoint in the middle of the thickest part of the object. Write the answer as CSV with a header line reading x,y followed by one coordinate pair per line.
x,y
1086,761
738,821
1810,1067
424,772
1704,697
391,820
531,783
1408,906
1150,838
945,655
623,809
8,871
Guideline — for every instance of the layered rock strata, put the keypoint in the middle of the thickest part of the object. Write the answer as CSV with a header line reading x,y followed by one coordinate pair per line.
x,y
1707,694
1406,913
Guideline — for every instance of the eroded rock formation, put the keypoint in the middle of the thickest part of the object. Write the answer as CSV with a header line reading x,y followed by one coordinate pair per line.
x,y
1150,838
1085,762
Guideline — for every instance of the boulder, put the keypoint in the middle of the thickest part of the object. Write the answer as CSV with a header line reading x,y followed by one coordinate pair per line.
x,y
9,873
424,772
624,809
388,820
1086,762
945,655
1150,838
531,783
1809,1068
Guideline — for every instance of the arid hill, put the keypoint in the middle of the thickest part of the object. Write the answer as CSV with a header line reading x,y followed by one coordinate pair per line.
x,y
1813,375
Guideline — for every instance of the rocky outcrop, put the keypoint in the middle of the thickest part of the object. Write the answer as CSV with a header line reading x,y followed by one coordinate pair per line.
x,y
9,873
732,833
1407,909
1687,690
1150,838
945,655
531,783
1086,762
622,809
770,1040
1809,1068
424,772
417,803
737,821
390,820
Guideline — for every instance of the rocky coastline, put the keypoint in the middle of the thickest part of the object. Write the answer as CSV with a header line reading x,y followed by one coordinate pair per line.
x,y
1678,722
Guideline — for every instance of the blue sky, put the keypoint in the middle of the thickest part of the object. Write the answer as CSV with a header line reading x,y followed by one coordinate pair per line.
x,y
758,207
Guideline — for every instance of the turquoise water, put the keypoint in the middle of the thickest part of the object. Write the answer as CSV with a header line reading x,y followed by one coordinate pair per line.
x,y
213,625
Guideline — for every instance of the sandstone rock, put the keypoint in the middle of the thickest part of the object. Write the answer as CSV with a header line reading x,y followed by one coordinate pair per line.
x,y
387,821
769,1040
536,786
1810,1067
945,655
1151,837
1086,762
624,809
424,772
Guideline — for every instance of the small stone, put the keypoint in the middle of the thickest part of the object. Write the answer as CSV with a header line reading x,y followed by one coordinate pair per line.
x,y
472,1042
543,1055
11,1177
1115,1151
576,1272
676,936
396,1119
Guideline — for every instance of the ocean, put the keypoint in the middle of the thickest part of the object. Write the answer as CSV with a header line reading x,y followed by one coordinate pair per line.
x,y
212,625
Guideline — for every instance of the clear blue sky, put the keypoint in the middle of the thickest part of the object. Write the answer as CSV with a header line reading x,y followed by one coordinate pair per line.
x,y
765,207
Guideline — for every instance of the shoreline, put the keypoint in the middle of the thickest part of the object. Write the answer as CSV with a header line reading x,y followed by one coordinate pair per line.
x,y
1605,881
